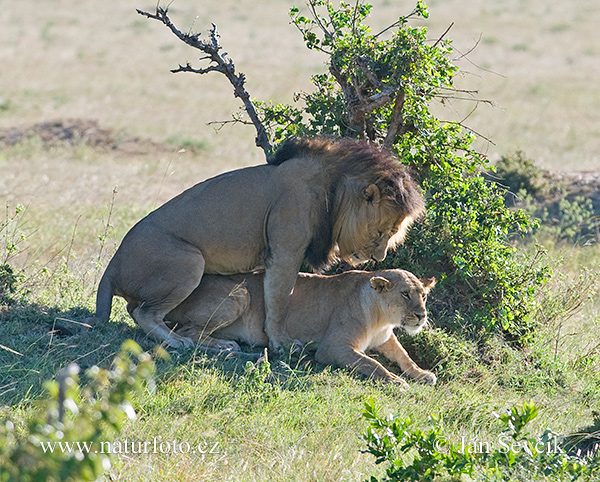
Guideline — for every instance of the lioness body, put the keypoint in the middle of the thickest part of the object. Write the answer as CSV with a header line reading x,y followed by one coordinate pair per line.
x,y
345,314
318,201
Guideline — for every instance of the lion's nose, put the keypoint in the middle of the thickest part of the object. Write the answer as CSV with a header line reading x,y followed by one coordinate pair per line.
x,y
421,316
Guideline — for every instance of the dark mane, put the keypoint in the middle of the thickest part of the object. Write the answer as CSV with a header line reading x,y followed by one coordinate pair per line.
x,y
359,160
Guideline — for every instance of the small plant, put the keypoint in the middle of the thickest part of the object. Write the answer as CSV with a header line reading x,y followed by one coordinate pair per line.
x,y
256,381
428,455
64,441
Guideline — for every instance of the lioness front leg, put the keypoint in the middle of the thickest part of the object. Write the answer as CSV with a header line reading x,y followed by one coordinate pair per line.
x,y
356,360
394,351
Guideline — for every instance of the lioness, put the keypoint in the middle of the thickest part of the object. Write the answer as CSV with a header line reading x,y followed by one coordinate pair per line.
x,y
318,200
345,314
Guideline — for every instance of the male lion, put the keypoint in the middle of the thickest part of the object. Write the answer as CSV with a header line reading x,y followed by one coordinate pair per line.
x,y
318,200
345,314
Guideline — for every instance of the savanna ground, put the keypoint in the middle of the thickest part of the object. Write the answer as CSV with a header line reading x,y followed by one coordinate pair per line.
x,y
95,132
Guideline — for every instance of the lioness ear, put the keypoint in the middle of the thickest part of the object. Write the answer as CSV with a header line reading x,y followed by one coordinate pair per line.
x,y
428,283
372,193
380,284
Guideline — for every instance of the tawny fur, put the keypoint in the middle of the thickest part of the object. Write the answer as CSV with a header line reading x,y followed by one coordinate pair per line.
x,y
345,314
319,200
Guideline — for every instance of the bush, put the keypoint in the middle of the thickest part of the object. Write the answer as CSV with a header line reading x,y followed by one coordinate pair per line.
x,y
64,441
380,86
563,213
411,453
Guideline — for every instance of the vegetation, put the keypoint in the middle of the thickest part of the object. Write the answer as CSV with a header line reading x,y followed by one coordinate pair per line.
x,y
380,86
512,455
67,437
289,419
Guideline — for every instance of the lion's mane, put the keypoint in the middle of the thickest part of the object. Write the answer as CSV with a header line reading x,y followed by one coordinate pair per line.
x,y
348,165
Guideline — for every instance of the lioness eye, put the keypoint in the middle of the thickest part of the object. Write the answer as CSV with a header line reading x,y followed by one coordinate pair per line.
x,y
405,294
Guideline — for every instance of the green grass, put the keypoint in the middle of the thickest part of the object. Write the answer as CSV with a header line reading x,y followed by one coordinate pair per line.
x,y
306,424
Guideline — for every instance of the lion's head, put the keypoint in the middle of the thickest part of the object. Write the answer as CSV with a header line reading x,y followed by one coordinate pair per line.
x,y
371,199
401,297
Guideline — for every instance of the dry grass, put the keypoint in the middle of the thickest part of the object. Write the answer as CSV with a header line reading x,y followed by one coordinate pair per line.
x,y
107,63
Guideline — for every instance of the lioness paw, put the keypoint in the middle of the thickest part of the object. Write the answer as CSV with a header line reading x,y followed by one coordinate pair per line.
x,y
427,377
396,380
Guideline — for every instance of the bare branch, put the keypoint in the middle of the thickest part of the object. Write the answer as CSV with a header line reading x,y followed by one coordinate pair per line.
x,y
219,63
397,121
443,35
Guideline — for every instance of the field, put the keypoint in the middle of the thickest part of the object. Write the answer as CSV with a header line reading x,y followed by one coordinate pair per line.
x,y
95,132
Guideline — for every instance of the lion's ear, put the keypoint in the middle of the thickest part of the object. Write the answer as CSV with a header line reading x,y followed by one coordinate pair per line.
x,y
380,284
372,193
428,283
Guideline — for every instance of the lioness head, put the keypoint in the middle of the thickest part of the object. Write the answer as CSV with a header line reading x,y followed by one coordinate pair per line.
x,y
401,297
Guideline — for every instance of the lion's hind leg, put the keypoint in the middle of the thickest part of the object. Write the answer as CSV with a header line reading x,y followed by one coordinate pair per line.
x,y
151,321
172,279
216,303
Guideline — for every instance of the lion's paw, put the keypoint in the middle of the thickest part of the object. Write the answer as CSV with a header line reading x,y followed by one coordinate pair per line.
x,y
177,341
228,345
427,377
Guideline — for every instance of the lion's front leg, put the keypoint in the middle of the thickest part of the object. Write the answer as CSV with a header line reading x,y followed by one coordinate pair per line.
x,y
394,351
278,286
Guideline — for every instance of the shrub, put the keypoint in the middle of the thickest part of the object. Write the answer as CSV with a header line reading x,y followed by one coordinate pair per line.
x,y
63,442
563,213
380,86
411,453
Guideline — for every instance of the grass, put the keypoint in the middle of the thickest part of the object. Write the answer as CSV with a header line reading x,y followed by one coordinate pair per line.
x,y
112,66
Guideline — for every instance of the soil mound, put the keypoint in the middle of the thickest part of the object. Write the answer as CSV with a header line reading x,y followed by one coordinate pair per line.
x,y
77,131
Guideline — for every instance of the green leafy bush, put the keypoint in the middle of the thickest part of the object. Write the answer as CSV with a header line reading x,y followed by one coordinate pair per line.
x,y
411,453
64,441
380,86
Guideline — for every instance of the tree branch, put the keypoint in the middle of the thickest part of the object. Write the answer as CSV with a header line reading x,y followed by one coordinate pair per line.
x,y
220,63
397,121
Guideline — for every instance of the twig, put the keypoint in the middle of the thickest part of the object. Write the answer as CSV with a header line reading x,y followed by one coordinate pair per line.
x,y
221,124
69,371
400,21
10,350
105,233
443,35
221,63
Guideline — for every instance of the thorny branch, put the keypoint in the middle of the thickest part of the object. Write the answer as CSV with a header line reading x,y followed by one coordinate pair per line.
x,y
219,63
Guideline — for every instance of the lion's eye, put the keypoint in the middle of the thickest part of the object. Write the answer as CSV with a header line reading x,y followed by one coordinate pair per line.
x,y
405,294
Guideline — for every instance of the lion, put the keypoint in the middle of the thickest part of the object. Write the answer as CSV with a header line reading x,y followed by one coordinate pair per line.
x,y
317,201
345,314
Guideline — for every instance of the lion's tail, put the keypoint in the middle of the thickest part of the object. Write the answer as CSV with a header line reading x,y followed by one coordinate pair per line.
x,y
104,298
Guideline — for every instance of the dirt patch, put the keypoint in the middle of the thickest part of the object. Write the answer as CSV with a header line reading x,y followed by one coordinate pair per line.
x,y
78,131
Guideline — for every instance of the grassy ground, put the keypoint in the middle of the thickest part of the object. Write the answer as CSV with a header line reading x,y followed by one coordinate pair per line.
x,y
107,64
